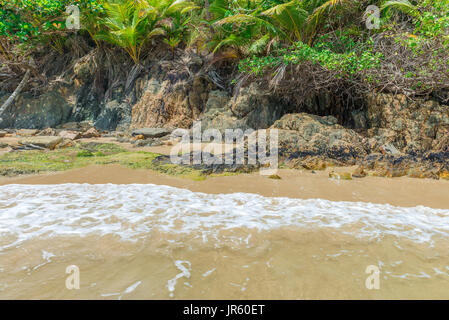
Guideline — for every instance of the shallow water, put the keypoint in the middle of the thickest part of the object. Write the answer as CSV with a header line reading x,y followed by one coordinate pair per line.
x,y
159,242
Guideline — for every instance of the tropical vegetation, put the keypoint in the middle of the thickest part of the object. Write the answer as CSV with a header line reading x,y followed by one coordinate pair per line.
x,y
400,45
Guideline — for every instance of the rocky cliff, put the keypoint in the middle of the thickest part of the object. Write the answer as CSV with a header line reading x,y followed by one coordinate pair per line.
x,y
386,131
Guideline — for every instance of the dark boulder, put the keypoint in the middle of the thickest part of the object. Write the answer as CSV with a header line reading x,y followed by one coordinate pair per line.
x,y
47,110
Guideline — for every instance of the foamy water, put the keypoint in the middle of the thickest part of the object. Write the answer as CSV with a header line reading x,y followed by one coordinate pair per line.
x,y
130,211
195,226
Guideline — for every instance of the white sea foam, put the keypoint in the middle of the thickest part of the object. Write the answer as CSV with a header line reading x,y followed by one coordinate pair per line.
x,y
131,211
184,267
208,273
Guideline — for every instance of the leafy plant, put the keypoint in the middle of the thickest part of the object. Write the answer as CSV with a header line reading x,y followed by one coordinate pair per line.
x,y
126,26
345,64
403,6
129,24
290,17
23,20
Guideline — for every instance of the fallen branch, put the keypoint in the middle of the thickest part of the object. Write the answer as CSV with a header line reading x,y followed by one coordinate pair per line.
x,y
14,94
28,146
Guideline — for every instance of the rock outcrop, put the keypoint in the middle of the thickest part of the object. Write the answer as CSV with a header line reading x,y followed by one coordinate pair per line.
x,y
171,98
47,110
152,132
72,135
388,134
114,116
413,127
252,108
49,142
303,135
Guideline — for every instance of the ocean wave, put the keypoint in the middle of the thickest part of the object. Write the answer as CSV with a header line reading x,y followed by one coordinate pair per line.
x,y
131,211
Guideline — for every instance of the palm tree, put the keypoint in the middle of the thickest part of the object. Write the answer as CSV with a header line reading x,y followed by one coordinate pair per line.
x,y
241,26
129,24
252,22
320,11
290,16
126,26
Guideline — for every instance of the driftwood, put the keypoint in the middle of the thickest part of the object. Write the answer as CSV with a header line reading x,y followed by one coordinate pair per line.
x,y
14,95
28,146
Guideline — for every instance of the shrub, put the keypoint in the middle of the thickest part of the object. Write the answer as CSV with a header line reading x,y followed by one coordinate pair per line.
x,y
345,64
22,20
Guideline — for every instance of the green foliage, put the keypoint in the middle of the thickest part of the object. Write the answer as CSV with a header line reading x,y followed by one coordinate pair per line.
x,y
126,26
129,24
434,21
84,153
344,64
290,17
403,6
236,25
240,23
22,20
264,34
431,25
319,10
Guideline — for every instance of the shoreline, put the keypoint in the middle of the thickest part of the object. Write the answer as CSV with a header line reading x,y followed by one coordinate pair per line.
x,y
294,183
303,184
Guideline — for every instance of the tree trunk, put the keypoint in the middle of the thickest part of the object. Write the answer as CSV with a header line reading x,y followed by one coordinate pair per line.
x,y
14,94
206,6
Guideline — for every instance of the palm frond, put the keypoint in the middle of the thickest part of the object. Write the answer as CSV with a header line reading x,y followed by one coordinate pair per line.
x,y
156,32
259,45
403,6
231,40
179,5
324,9
289,15
239,19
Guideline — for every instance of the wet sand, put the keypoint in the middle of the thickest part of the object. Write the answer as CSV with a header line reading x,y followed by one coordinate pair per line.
x,y
405,192
156,242
303,184
240,262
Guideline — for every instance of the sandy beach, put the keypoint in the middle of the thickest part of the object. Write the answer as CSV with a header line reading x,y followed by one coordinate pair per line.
x,y
304,184
143,234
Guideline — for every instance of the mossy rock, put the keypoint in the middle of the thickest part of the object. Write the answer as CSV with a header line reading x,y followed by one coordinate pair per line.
x,y
340,175
84,153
